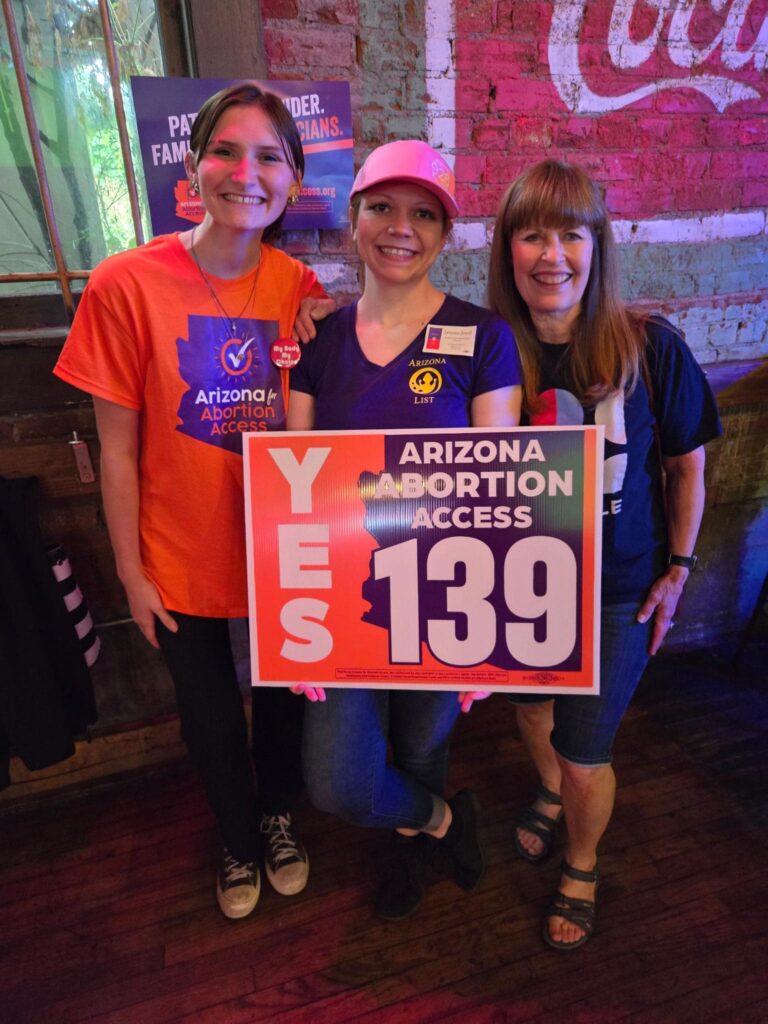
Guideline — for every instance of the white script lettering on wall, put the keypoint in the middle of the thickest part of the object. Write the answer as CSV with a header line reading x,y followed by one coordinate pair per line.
x,y
672,49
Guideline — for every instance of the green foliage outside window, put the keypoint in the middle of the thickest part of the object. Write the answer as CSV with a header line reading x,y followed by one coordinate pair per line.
x,y
66,67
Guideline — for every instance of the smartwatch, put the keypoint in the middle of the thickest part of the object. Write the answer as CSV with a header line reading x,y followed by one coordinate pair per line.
x,y
686,561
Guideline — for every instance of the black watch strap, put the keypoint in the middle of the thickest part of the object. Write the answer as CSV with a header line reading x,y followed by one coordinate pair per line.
x,y
686,561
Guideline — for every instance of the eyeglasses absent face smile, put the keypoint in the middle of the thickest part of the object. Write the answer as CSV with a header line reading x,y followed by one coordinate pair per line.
x,y
551,268
399,230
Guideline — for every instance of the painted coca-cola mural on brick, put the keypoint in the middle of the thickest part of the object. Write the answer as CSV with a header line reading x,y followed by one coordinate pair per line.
x,y
664,102
657,98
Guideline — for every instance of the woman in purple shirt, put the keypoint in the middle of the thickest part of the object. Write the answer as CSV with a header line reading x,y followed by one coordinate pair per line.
x,y
370,367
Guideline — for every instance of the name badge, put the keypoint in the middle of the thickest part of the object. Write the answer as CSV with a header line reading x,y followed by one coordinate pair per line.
x,y
450,341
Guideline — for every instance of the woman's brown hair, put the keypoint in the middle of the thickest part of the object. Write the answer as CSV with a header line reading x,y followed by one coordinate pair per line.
x,y
606,349
249,94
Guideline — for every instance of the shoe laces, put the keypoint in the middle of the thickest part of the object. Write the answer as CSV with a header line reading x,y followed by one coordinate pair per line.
x,y
283,844
236,870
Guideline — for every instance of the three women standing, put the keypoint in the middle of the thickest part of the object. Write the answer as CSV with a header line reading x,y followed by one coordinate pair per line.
x,y
173,341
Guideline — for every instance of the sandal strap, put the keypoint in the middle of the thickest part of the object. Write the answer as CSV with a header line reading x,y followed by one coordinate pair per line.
x,y
578,912
533,821
548,797
580,876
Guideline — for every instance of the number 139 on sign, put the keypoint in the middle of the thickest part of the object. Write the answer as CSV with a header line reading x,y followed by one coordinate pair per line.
x,y
469,569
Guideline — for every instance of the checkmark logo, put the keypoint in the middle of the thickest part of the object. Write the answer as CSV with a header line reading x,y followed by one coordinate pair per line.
x,y
236,358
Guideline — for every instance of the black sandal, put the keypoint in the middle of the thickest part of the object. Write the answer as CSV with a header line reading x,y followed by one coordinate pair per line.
x,y
540,825
578,912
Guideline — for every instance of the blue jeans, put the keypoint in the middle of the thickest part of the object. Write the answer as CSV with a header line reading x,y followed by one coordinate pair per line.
x,y
585,727
346,771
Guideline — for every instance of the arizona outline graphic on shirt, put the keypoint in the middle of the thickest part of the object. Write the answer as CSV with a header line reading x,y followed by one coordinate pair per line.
x,y
561,408
233,385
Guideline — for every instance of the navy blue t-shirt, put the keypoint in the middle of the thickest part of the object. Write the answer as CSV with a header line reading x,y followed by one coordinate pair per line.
x,y
417,388
634,527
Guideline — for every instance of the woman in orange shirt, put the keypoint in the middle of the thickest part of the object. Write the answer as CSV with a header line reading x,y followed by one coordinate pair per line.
x,y
174,341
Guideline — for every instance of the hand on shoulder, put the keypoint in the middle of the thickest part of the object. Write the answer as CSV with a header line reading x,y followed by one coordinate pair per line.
x,y
310,311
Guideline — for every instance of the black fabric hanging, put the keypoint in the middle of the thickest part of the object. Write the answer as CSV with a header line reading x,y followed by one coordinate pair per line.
x,y
46,695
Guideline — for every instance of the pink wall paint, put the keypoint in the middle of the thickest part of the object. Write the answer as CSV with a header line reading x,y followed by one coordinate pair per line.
x,y
665,103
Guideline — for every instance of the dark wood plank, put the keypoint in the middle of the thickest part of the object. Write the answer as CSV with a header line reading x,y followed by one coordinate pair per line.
x,y
189,994
107,909
757,1013
715,1002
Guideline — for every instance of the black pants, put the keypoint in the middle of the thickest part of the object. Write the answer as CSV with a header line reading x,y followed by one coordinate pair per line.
x,y
214,728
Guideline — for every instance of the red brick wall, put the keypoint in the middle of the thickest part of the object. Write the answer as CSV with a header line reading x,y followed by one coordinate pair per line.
x,y
664,102
674,150
509,111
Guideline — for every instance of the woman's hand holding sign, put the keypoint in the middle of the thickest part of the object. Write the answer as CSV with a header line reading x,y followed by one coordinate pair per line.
x,y
313,693
468,697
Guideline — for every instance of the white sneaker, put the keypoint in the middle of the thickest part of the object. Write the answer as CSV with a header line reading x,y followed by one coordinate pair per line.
x,y
285,858
238,886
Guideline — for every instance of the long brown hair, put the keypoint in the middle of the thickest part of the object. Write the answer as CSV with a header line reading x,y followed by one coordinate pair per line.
x,y
249,94
606,349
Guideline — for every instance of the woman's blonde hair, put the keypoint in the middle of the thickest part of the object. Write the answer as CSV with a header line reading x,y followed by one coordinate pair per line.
x,y
606,349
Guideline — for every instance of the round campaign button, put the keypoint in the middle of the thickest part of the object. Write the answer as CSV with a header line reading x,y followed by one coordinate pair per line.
x,y
285,353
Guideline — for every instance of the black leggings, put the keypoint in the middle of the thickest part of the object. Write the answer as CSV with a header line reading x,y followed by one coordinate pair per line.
x,y
214,728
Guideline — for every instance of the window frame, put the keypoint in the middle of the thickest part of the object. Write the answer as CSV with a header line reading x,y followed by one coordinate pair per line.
x,y
52,312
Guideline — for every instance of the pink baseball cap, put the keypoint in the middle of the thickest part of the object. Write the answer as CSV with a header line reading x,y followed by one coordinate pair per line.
x,y
409,160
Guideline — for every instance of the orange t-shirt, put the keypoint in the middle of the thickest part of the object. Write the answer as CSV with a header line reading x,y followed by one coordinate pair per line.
x,y
149,335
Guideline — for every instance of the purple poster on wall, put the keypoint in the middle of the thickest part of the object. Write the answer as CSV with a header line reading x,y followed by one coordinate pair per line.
x,y
165,112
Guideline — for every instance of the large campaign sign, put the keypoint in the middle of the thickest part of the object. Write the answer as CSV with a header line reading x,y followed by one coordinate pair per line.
x,y
453,559
165,112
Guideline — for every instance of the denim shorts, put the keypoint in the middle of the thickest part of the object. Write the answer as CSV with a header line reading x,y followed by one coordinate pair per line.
x,y
585,727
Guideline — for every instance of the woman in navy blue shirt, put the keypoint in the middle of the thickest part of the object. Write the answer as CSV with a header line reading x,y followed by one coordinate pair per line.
x,y
587,358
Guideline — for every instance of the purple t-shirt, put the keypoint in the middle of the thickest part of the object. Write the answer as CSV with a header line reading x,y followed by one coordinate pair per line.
x,y
417,388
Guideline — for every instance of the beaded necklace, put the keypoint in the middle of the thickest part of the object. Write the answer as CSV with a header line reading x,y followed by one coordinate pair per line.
x,y
229,321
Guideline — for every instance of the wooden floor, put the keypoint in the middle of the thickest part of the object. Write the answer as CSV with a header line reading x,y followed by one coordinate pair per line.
x,y
107,908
